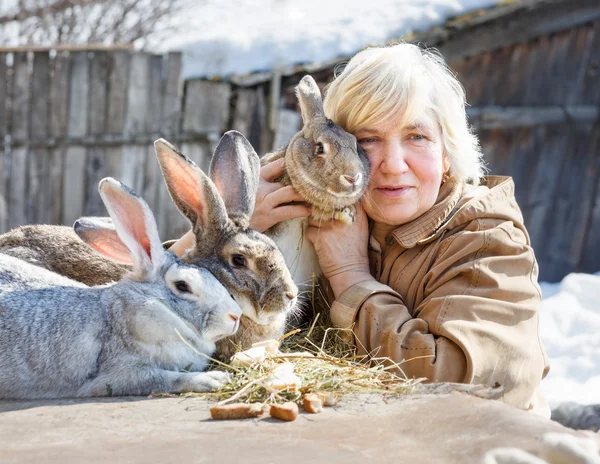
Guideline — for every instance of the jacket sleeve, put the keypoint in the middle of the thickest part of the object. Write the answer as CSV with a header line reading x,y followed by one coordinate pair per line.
x,y
478,318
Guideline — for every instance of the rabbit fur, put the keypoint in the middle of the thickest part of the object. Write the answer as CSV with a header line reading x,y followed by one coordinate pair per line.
x,y
248,263
121,339
325,165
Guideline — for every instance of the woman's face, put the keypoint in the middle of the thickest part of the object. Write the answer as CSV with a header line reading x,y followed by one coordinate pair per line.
x,y
407,165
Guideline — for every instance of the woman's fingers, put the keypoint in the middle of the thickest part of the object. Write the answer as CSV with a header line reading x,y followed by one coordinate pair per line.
x,y
272,170
282,195
283,213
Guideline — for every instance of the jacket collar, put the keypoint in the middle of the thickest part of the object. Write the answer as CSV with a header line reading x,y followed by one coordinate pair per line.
x,y
426,225
454,201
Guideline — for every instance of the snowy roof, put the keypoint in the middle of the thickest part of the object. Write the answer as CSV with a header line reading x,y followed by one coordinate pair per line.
x,y
240,37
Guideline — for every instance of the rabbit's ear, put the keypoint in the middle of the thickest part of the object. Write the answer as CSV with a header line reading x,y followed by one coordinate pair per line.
x,y
309,97
235,170
192,191
134,223
100,234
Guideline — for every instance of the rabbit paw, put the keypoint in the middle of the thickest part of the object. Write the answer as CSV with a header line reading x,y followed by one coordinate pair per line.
x,y
212,380
346,215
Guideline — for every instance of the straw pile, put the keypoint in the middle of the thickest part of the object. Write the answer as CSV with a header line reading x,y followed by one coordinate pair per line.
x,y
332,366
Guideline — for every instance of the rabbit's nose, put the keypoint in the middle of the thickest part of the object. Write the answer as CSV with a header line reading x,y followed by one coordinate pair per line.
x,y
233,317
290,295
353,180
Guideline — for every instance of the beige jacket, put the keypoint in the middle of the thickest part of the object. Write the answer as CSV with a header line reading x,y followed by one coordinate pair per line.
x,y
456,296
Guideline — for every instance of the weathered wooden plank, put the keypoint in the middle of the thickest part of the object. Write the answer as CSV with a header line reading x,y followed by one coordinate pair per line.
x,y
3,95
4,160
17,195
553,143
590,257
171,95
55,187
258,127
155,94
495,77
551,85
117,91
3,190
38,199
536,70
20,127
138,92
96,156
21,100
576,198
591,90
511,90
40,96
59,94
79,84
480,66
578,58
206,107
152,180
132,169
99,75
288,124
100,163
73,187
245,101
59,98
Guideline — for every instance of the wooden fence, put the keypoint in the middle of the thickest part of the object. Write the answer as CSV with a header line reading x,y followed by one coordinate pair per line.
x,y
68,119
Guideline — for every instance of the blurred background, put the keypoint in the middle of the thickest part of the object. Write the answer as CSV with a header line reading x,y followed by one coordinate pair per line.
x,y
86,86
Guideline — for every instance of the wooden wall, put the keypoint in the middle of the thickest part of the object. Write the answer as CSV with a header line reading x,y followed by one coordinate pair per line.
x,y
68,119
536,109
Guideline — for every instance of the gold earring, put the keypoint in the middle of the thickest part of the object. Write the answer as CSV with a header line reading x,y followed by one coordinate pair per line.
x,y
445,177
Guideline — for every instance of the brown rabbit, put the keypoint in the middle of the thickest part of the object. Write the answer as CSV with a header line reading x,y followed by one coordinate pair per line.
x,y
325,165
245,261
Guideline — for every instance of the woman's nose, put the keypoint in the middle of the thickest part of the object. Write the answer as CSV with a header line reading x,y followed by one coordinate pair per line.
x,y
394,159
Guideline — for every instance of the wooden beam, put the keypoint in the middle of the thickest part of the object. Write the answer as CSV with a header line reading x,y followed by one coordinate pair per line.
x,y
521,25
506,117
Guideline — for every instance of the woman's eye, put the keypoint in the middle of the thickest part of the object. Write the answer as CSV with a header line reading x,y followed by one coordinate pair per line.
x,y
182,286
319,148
238,260
418,137
367,140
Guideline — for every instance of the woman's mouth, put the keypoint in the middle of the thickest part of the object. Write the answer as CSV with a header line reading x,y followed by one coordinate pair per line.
x,y
393,192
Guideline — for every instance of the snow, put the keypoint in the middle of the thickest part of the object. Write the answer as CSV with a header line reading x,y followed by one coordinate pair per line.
x,y
570,331
238,37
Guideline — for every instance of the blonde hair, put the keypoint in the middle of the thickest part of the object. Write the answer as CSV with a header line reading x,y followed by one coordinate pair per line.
x,y
398,84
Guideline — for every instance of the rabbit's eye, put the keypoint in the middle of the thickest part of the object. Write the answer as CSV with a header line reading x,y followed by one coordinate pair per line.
x,y
238,260
319,148
182,286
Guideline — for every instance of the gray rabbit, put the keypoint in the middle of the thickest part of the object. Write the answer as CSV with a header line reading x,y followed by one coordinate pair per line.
x,y
127,338
327,166
219,208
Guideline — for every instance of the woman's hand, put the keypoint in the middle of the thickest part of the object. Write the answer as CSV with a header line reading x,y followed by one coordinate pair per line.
x,y
271,199
342,250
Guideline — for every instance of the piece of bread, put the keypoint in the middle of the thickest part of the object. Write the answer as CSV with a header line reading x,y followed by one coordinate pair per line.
x,y
312,403
236,411
286,411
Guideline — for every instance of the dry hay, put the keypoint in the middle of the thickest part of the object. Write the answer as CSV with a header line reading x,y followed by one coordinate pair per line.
x,y
334,366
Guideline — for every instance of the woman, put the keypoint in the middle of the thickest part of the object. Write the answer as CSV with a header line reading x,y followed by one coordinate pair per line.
x,y
441,277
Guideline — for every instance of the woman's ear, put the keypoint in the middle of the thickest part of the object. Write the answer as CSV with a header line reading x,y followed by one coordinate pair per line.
x,y
446,164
